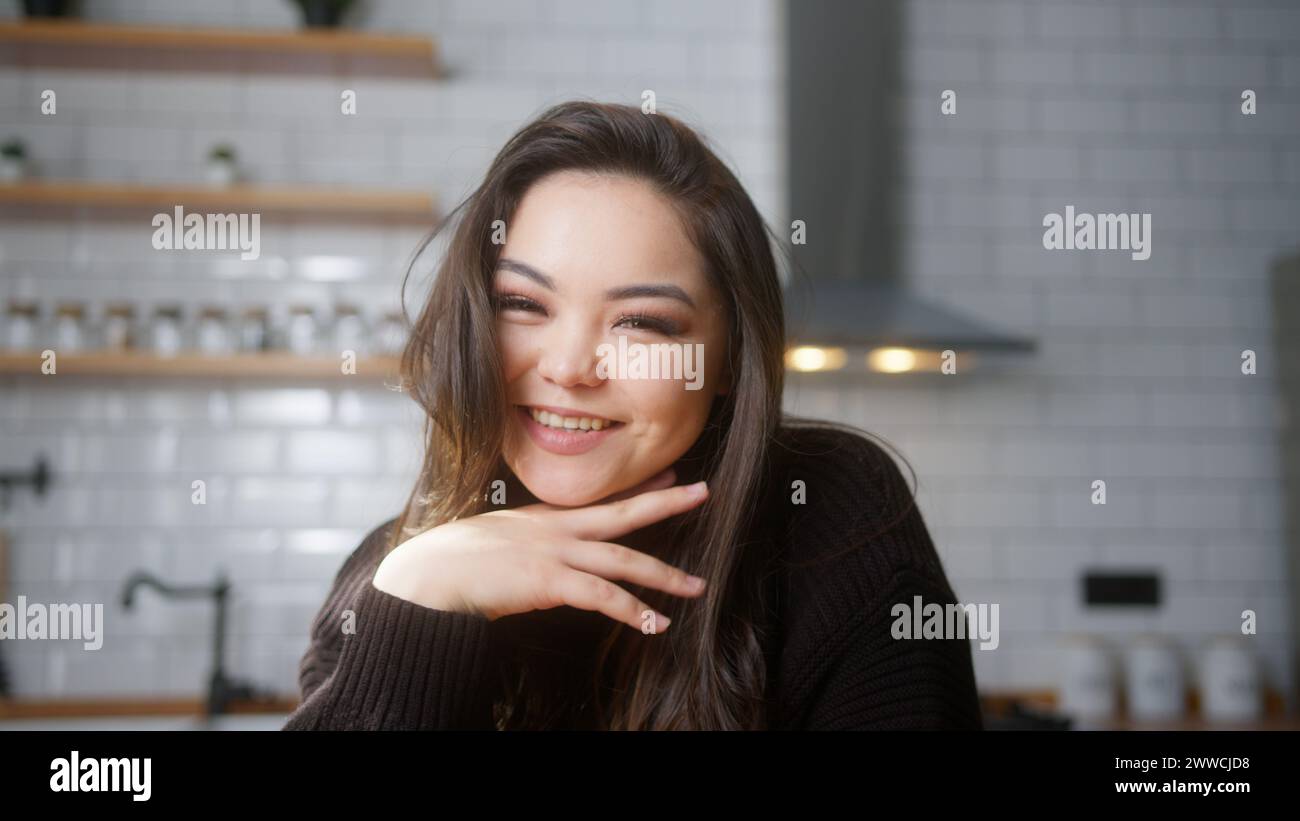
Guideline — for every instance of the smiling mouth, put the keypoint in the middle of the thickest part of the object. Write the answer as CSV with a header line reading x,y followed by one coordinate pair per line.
x,y
575,422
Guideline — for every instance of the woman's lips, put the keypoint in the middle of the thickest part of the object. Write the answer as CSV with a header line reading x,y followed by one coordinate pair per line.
x,y
564,442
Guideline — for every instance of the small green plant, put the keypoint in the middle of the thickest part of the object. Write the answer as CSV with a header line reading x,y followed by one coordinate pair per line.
x,y
47,8
222,153
13,149
322,13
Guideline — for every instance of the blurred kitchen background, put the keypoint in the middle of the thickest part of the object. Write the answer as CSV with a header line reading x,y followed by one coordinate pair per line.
x,y
924,227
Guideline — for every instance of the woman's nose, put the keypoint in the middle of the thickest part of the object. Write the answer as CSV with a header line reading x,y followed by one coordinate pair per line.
x,y
569,358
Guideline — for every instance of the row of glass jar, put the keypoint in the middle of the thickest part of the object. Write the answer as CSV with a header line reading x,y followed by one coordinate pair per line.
x,y
211,330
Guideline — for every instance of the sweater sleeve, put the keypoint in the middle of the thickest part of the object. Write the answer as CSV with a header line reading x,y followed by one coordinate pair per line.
x,y
875,681
404,666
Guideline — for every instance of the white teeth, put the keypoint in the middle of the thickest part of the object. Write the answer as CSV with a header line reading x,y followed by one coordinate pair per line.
x,y
554,420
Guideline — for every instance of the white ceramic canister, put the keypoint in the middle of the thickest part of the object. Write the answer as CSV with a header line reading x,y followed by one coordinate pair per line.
x,y
1153,680
1231,686
1087,686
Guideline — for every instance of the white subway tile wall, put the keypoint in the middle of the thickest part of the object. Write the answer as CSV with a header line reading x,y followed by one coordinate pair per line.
x,y
294,473
1106,105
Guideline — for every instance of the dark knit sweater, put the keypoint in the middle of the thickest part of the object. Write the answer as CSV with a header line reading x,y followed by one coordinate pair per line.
x,y
833,663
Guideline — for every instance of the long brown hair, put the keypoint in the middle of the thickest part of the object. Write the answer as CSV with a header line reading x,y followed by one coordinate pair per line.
x,y
709,670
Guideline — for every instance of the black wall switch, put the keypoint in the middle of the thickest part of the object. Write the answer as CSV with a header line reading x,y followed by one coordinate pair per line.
x,y
1121,589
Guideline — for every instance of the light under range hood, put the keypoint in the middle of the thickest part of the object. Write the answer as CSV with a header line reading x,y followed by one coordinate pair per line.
x,y
855,314
847,299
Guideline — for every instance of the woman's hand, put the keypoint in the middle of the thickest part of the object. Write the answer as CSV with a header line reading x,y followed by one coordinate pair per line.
x,y
541,556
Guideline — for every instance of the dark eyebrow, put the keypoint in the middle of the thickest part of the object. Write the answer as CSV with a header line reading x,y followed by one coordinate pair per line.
x,y
632,291
625,292
528,271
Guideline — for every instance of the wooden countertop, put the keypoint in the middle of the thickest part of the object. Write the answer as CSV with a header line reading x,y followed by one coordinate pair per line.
x,y
1194,723
1275,717
82,708
993,703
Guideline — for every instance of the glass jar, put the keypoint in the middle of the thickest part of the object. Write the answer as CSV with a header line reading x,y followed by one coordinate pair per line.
x,y
119,327
301,334
212,333
349,330
22,322
166,335
253,330
69,327
390,334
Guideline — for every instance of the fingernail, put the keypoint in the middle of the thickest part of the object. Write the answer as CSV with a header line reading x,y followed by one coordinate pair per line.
x,y
695,582
661,620
699,489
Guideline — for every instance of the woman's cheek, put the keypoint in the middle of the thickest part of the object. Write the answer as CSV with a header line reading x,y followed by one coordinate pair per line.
x,y
514,345
677,414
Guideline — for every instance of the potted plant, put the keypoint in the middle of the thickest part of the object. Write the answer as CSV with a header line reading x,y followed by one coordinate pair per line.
x,y
322,13
13,160
222,167
47,8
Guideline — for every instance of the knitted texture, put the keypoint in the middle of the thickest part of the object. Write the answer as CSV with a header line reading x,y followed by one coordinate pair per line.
x,y
848,549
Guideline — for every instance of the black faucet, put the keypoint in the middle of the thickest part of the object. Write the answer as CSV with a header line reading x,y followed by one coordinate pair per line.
x,y
38,477
221,689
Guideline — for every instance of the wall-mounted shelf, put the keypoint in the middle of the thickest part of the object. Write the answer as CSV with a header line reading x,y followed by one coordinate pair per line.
x,y
60,196
76,43
255,366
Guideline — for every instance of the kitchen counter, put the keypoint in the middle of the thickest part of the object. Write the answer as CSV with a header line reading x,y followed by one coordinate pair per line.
x,y
999,705
88,708
141,714
268,721
1193,723
271,714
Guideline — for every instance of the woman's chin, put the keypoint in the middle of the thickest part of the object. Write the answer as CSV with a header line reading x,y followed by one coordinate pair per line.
x,y
568,499
563,494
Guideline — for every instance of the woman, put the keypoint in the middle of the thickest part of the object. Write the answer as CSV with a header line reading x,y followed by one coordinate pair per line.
x,y
541,574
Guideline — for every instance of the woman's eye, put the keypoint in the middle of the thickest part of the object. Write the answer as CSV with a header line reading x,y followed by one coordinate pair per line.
x,y
647,322
637,322
514,301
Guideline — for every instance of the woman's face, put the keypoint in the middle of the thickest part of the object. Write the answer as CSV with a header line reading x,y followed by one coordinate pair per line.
x,y
589,259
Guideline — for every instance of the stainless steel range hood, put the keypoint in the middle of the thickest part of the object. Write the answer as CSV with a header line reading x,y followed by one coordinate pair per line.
x,y
846,292
852,314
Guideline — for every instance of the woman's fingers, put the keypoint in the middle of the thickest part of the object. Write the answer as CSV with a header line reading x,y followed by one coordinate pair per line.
x,y
615,561
587,592
613,519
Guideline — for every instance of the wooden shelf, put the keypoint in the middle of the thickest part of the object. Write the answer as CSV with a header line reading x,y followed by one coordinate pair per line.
x,y
254,366
59,196
78,43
